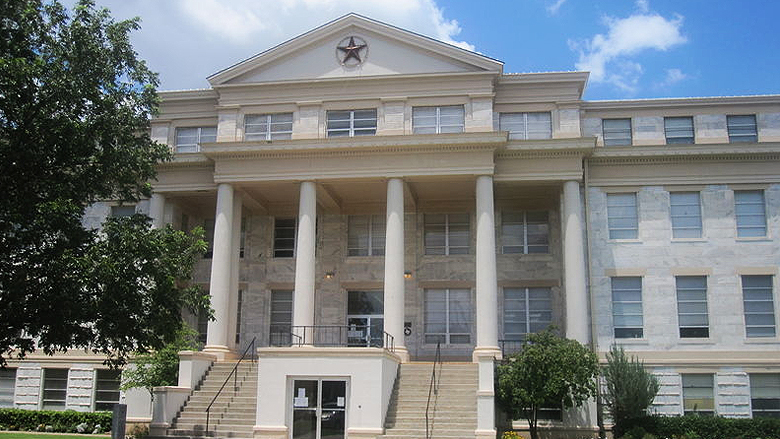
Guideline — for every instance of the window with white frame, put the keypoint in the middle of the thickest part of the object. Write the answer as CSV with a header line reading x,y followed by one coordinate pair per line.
x,y
622,216
692,312
276,126
750,213
284,237
55,389
208,236
7,387
742,128
526,311
448,316
525,232
366,235
107,383
188,139
759,304
281,318
616,132
627,317
123,211
765,395
351,123
698,394
526,125
679,130
685,214
434,120
447,234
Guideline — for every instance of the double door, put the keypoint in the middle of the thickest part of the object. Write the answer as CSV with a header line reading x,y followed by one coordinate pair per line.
x,y
319,409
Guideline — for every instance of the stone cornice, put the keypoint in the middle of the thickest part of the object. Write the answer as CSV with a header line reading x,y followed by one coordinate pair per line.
x,y
643,104
667,154
187,160
581,146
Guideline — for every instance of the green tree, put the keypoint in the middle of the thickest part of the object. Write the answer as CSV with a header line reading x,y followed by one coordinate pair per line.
x,y
75,105
548,370
630,388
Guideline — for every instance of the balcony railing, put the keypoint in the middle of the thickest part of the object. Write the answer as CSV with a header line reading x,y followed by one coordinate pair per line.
x,y
331,336
509,347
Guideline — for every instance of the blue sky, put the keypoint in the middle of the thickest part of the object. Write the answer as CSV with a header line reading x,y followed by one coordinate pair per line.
x,y
633,49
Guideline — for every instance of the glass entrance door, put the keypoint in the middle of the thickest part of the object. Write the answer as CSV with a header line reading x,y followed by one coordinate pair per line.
x,y
319,409
365,318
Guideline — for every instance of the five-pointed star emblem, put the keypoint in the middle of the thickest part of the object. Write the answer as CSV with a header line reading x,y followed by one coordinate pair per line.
x,y
351,51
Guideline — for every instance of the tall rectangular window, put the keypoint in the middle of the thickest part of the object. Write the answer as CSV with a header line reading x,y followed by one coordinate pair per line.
x,y
281,318
759,304
685,214
448,316
622,216
698,394
679,130
627,317
617,132
123,211
277,126
447,234
55,389
526,125
692,306
750,213
366,235
525,232
765,395
208,236
350,123
284,237
239,304
7,387
742,128
434,120
189,139
203,327
107,383
526,310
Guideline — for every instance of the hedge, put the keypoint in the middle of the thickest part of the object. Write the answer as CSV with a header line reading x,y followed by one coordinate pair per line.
x,y
61,422
705,427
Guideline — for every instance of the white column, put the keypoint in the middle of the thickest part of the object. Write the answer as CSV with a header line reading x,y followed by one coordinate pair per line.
x,y
577,326
157,210
234,264
487,286
303,297
394,266
219,287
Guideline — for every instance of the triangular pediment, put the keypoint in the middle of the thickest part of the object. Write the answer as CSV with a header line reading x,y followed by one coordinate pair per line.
x,y
382,50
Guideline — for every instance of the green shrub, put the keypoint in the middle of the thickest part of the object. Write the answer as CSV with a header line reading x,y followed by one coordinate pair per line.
x,y
62,422
706,427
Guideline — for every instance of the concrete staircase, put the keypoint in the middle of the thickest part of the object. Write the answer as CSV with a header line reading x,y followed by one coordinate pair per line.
x,y
452,413
233,413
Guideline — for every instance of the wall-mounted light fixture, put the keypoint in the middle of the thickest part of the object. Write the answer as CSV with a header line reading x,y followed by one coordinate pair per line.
x,y
407,274
329,274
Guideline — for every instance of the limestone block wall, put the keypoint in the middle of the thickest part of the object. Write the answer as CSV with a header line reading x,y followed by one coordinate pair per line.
x,y
732,393
80,388
28,386
668,400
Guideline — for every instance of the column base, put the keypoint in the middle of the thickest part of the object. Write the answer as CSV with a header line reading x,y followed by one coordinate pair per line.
x,y
223,353
486,351
403,354
485,434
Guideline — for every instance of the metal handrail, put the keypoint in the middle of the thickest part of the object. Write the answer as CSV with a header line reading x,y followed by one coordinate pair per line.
x,y
334,335
433,388
234,374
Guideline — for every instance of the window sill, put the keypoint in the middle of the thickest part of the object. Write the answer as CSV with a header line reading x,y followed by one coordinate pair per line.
x,y
762,340
364,258
626,241
686,240
631,341
696,341
753,239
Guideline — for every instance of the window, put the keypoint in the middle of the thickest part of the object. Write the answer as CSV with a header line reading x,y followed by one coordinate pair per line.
x,y
692,306
617,132
281,318
750,213
284,237
434,120
742,128
622,216
189,139
447,234
203,327
448,316
366,235
122,211
526,310
759,305
268,126
7,386
524,232
678,130
526,125
765,395
627,307
208,235
55,389
239,304
350,123
107,389
698,394
686,214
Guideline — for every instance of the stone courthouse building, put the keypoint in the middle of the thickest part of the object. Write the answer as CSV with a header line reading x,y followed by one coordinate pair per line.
x,y
372,197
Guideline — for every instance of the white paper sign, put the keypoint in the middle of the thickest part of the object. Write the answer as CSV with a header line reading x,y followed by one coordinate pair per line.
x,y
340,401
301,402
301,392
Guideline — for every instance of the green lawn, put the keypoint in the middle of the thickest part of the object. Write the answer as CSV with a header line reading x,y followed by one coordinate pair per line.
x,y
37,435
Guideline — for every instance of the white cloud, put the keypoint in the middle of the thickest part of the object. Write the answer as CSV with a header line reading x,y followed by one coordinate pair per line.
x,y
607,56
553,8
673,76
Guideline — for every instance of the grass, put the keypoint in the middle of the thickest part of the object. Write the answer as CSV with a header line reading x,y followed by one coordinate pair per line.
x,y
39,435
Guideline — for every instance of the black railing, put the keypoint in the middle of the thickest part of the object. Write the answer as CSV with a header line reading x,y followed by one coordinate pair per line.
x,y
433,388
331,336
509,347
234,374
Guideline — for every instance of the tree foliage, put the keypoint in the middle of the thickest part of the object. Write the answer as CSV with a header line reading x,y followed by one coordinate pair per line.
x,y
75,105
630,389
548,371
